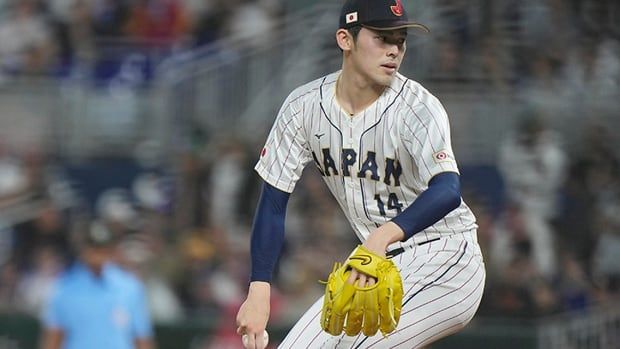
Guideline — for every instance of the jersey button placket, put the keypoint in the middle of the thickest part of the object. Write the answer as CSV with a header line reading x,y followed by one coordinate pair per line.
x,y
352,181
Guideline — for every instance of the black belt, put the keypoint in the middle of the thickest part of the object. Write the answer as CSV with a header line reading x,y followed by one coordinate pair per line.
x,y
395,252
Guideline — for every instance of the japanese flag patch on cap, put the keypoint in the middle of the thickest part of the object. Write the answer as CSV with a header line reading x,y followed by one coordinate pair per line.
x,y
351,17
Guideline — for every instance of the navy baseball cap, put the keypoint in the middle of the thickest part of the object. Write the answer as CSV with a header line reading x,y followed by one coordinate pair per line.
x,y
377,14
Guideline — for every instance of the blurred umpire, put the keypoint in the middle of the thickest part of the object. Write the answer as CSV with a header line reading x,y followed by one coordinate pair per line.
x,y
96,304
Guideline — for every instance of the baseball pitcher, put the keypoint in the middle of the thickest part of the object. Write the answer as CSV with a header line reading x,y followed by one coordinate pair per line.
x,y
382,144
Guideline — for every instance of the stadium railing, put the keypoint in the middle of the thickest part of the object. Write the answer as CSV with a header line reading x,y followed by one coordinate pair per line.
x,y
597,328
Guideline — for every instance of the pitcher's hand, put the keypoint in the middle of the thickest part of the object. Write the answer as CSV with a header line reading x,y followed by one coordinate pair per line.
x,y
377,242
253,315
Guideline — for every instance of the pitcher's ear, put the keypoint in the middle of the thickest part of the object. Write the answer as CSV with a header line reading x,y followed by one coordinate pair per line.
x,y
344,39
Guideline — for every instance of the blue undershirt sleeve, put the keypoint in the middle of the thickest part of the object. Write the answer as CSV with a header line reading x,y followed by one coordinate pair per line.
x,y
268,232
442,196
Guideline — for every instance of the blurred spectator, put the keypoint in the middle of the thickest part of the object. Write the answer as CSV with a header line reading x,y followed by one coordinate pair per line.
x,y
589,176
96,304
458,24
253,21
149,191
227,185
9,281
13,179
521,291
448,65
6,243
47,230
192,175
209,20
138,253
578,71
115,208
607,226
36,284
160,21
595,16
506,236
495,64
26,46
545,24
574,289
196,254
532,164
74,32
591,74
108,17
606,79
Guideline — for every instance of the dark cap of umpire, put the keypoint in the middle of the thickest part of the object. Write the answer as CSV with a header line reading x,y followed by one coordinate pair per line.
x,y
377,15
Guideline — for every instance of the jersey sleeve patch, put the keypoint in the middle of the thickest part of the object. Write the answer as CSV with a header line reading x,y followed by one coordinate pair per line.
x,y
442,156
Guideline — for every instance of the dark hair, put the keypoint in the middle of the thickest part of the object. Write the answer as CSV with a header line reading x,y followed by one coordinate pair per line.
x,y
354,31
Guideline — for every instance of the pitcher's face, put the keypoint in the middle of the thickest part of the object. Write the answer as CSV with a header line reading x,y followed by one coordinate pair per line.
x,y
377,54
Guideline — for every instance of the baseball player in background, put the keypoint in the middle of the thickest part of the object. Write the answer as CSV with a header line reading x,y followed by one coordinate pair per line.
x,y
382,144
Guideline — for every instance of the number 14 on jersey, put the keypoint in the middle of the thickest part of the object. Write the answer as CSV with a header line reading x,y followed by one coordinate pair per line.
x,y
392,203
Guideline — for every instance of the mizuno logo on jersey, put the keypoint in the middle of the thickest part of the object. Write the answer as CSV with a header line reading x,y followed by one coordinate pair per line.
x,y
368,169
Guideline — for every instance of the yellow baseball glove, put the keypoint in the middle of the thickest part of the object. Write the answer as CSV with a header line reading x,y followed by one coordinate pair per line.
x,y
368,309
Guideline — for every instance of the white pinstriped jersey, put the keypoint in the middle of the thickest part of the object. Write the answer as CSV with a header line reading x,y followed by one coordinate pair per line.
x,y
375,163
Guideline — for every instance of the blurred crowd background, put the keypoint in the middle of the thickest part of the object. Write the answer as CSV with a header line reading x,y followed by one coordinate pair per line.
x,y
545,185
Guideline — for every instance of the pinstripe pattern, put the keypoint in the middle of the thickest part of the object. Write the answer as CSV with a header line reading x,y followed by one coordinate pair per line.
x,y
406,124
443,280
403,136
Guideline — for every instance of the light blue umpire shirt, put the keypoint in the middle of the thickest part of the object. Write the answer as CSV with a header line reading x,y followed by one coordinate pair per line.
x,y
106,312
